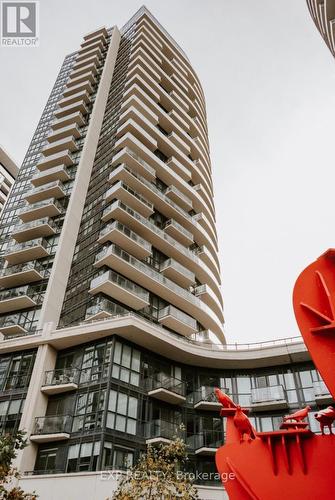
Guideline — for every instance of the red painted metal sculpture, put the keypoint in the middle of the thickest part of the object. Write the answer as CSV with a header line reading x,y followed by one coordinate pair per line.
x,y
291,462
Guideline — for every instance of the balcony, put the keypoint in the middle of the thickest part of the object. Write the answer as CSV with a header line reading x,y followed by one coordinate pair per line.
x,y
60,381
204,399
12,325
118,287
15,299
177,320
179,198
54,189
167,389
88,68
85,85
161,431
207,295
74,99
321,393
98,43
58,159
40,209
87,60
73,82
59,173
65,133
135,162
178,232
99,34
178,167
34,229
75,118
53,428
70,109
92,51
268,398
21,274
67,143
128,196
205,443
177,273
122,236
27,251
103,308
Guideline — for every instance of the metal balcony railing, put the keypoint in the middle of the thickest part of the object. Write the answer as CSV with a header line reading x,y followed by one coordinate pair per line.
x,y
206,393
61,376
169,383
56,424
268,394
206,439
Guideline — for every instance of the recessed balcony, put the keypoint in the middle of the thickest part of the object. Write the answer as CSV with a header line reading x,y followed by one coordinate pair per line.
x,y
85,86
177,273
12,325
53,428
132,160
161,431
79,97
75,118
177,320
34,229
59,173
60,159
321,393
127,195
204,399
178,232
65,144
268,398
15,299
178,197
72,108
205,443
27,251
103,308
53,189
167,389
122,236
40,209
60,381
21,274
116,286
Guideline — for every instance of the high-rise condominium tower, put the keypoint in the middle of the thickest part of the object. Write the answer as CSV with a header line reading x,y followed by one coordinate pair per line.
x,y
8,173
110,281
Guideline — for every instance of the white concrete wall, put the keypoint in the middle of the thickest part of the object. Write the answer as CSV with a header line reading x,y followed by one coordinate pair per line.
x,y
90,486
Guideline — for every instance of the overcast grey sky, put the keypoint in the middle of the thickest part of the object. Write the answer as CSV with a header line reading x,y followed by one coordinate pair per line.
x,y
269,82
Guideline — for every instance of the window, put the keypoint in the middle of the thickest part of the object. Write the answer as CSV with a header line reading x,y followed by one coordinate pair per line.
x,y
96,360
122,412
46,460
89,411
126,364
83,456
117,458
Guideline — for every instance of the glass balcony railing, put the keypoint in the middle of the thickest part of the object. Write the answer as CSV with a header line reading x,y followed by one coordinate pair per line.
x,y
147,167
52,171
101,306
24,226
268,394
18,247
206,439
45,187
21,291
171,263
162,429
21,268
127,232
122,185
178,315
179,194
40,204
168,383
61,376
57,424
206,393
320,389
122,282
179,228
